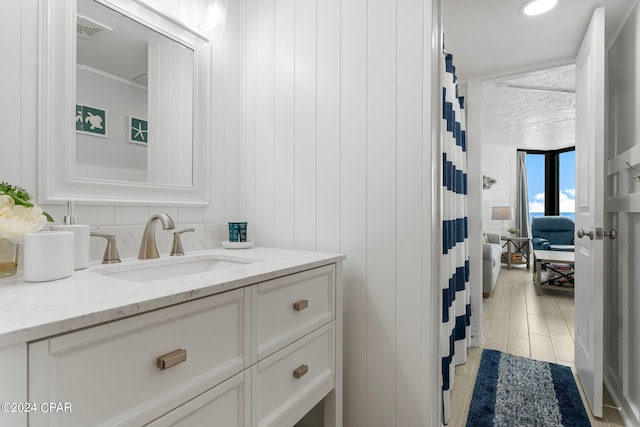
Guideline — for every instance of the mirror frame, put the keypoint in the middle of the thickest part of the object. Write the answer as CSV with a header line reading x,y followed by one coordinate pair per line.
x,y
57,96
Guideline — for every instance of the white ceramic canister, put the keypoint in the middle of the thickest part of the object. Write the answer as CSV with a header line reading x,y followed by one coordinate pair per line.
x,y
48,255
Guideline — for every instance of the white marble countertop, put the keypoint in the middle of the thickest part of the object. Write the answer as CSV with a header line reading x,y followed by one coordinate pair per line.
x,y
31,311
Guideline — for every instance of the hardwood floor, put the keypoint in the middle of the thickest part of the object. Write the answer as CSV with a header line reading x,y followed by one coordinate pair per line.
x,y
520,322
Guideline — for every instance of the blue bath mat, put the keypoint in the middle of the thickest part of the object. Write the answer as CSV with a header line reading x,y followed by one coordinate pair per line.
x,y
517,391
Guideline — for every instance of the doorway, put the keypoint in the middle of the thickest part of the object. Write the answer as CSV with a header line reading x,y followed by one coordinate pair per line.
x,y
532,112
621,36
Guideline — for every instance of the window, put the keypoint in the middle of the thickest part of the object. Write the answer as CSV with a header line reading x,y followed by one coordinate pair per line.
x,y
568,184
551,183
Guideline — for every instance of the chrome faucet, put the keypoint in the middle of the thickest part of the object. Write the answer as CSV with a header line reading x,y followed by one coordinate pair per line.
x,y
148,248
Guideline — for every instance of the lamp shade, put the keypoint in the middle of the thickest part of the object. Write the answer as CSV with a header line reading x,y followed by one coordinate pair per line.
x,y
504,213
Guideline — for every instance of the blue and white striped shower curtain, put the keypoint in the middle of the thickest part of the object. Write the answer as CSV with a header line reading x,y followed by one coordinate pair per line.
x,y
455,334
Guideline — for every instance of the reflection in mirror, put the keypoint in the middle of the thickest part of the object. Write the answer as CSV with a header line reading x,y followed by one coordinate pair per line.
x,y
134,101
178,111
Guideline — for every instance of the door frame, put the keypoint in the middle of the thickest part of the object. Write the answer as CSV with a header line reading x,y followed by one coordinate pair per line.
x,y
474,101
431,374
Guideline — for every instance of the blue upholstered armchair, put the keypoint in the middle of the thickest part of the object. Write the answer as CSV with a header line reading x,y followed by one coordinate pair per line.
x,y
552,233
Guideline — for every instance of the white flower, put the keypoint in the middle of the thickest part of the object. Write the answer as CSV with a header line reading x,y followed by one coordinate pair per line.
x,y
16,220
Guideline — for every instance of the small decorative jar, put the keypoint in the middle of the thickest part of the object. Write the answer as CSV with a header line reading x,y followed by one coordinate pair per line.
x,y
8,258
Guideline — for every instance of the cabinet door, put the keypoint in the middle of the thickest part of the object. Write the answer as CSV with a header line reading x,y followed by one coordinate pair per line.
x,y
226,405
110,374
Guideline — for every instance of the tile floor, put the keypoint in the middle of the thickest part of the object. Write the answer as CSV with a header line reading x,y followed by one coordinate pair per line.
x,y
518,321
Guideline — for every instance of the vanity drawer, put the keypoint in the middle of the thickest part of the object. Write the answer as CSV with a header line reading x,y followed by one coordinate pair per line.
x,y
290,307
111,374
287,384
227,404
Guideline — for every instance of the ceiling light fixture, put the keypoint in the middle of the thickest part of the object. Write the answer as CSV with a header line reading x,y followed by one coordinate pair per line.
x,y
537,7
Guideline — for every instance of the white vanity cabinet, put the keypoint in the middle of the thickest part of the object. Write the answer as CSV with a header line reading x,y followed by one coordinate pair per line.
x,y
294,339
260,355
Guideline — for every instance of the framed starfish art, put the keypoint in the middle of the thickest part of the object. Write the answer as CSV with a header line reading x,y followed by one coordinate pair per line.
x,y
138,129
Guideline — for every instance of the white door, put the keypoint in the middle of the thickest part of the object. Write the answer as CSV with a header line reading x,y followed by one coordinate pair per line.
x,y
589,257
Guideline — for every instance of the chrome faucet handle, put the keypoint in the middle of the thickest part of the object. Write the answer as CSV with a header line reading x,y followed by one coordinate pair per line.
x,y
111,251
176,248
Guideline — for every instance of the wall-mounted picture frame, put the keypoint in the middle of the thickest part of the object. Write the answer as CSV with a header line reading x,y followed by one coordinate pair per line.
x,y
138,130
91,120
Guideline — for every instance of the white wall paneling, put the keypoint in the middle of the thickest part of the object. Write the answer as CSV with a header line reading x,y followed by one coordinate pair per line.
x,y
328,126
226,89
168,103
335,142
284,127
264,139
305,123
473,106
621,296
500,164
410,228
353,198
381,212
250,117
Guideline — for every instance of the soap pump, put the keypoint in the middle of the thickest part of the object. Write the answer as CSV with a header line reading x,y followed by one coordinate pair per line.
x,y
81,236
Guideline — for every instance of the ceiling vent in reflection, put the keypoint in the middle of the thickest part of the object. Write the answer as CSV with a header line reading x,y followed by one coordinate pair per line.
x,y
142,78
90,30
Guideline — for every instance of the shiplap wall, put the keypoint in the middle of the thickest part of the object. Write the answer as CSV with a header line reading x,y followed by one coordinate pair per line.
x,y
321,139
499,163
622,273
170,104
338,158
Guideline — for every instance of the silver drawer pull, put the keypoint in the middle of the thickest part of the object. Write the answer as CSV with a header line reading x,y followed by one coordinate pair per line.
x,y
300,371
171,359
301,305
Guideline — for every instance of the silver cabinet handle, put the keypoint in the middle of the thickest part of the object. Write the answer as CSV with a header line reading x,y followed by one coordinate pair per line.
x,y
301,305
300,371
171,359
581,233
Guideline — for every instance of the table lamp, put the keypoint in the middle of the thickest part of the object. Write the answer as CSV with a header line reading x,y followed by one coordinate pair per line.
x,y
502,213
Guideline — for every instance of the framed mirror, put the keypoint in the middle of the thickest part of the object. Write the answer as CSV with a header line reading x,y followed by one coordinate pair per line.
x,y
123,105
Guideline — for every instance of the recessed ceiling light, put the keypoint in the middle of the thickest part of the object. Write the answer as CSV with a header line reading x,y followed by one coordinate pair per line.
x,y
536,7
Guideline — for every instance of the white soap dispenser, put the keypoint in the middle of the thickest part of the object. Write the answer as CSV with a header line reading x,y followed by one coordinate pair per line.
x,y
81,236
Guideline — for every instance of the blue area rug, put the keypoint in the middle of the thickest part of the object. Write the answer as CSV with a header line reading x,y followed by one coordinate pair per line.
x,y
517,391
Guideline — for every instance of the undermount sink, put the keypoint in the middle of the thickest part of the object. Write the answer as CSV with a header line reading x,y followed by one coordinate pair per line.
x,y
167,268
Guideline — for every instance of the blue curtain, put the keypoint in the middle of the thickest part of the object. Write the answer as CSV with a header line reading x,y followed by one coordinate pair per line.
x,y
454,268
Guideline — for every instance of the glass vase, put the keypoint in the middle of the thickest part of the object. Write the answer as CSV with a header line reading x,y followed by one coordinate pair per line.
x,y
8,258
